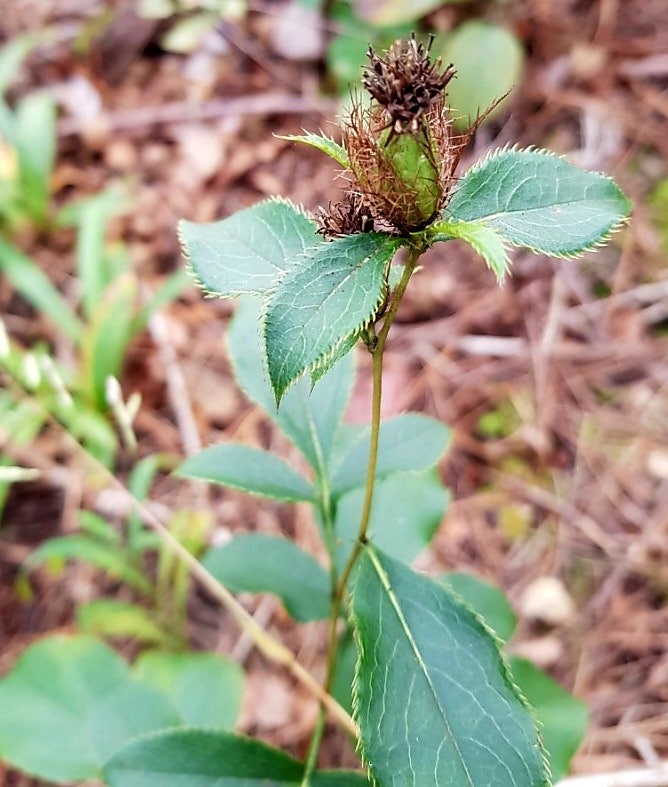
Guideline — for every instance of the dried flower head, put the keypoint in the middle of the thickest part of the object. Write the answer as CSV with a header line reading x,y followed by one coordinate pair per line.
x,y
345,218
405,83
403,149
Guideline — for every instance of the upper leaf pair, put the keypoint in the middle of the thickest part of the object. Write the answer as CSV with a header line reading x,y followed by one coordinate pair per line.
x,y
316,295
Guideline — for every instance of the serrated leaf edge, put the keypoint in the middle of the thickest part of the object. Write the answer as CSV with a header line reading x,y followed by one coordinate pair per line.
x,y
505,666
317,366
188,262
273,412
505,243
567,255
310,138
323,357
508,675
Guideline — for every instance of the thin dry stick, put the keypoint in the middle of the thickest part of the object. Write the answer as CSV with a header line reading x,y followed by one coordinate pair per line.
x,y
189,111
176,385
271,648
639,777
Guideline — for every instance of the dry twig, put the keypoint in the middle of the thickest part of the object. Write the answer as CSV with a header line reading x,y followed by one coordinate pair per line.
x,y
638,777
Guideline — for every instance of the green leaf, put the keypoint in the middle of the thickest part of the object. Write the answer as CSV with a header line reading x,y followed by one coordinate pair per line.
x,y
244,342
331,294
310,417
246,252
406,442
35,141
205,688
407,510
488,242
22,421
346,55
392,12
433,697
323,143
256,563
130,710
106,337
36,287
344,670
481,80
92,217
72,700
96,553
253,470
170,289
107,617
139,482
198,758
320,369
11,55
489,601
539,200
562,716
97,527
91,429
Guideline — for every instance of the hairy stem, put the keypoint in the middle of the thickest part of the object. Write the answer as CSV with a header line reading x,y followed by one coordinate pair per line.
x,y
377,349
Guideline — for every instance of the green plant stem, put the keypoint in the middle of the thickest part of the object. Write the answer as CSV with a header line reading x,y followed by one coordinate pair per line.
x,y
314,747
330,542
339,588
376,397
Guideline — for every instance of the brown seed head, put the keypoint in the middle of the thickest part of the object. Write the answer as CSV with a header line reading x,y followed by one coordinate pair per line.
x,y
345,218
407,181
403,150
406,83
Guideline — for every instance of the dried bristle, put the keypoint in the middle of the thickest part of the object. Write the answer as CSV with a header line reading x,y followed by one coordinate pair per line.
x,y
352,216
389,199
406,83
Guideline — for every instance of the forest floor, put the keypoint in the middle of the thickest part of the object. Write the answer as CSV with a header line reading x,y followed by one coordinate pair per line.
x,y
567,477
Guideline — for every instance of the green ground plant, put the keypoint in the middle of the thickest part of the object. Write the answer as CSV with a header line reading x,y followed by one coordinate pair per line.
x,y
434,700
83,394
27,146
156,615
109,311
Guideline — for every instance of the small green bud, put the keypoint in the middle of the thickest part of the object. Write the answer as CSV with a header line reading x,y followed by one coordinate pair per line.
x,y
402,150
402,177
416,173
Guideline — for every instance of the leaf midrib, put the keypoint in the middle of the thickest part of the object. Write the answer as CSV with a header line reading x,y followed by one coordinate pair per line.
x,y
385,581
253,250
500,214
368,258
